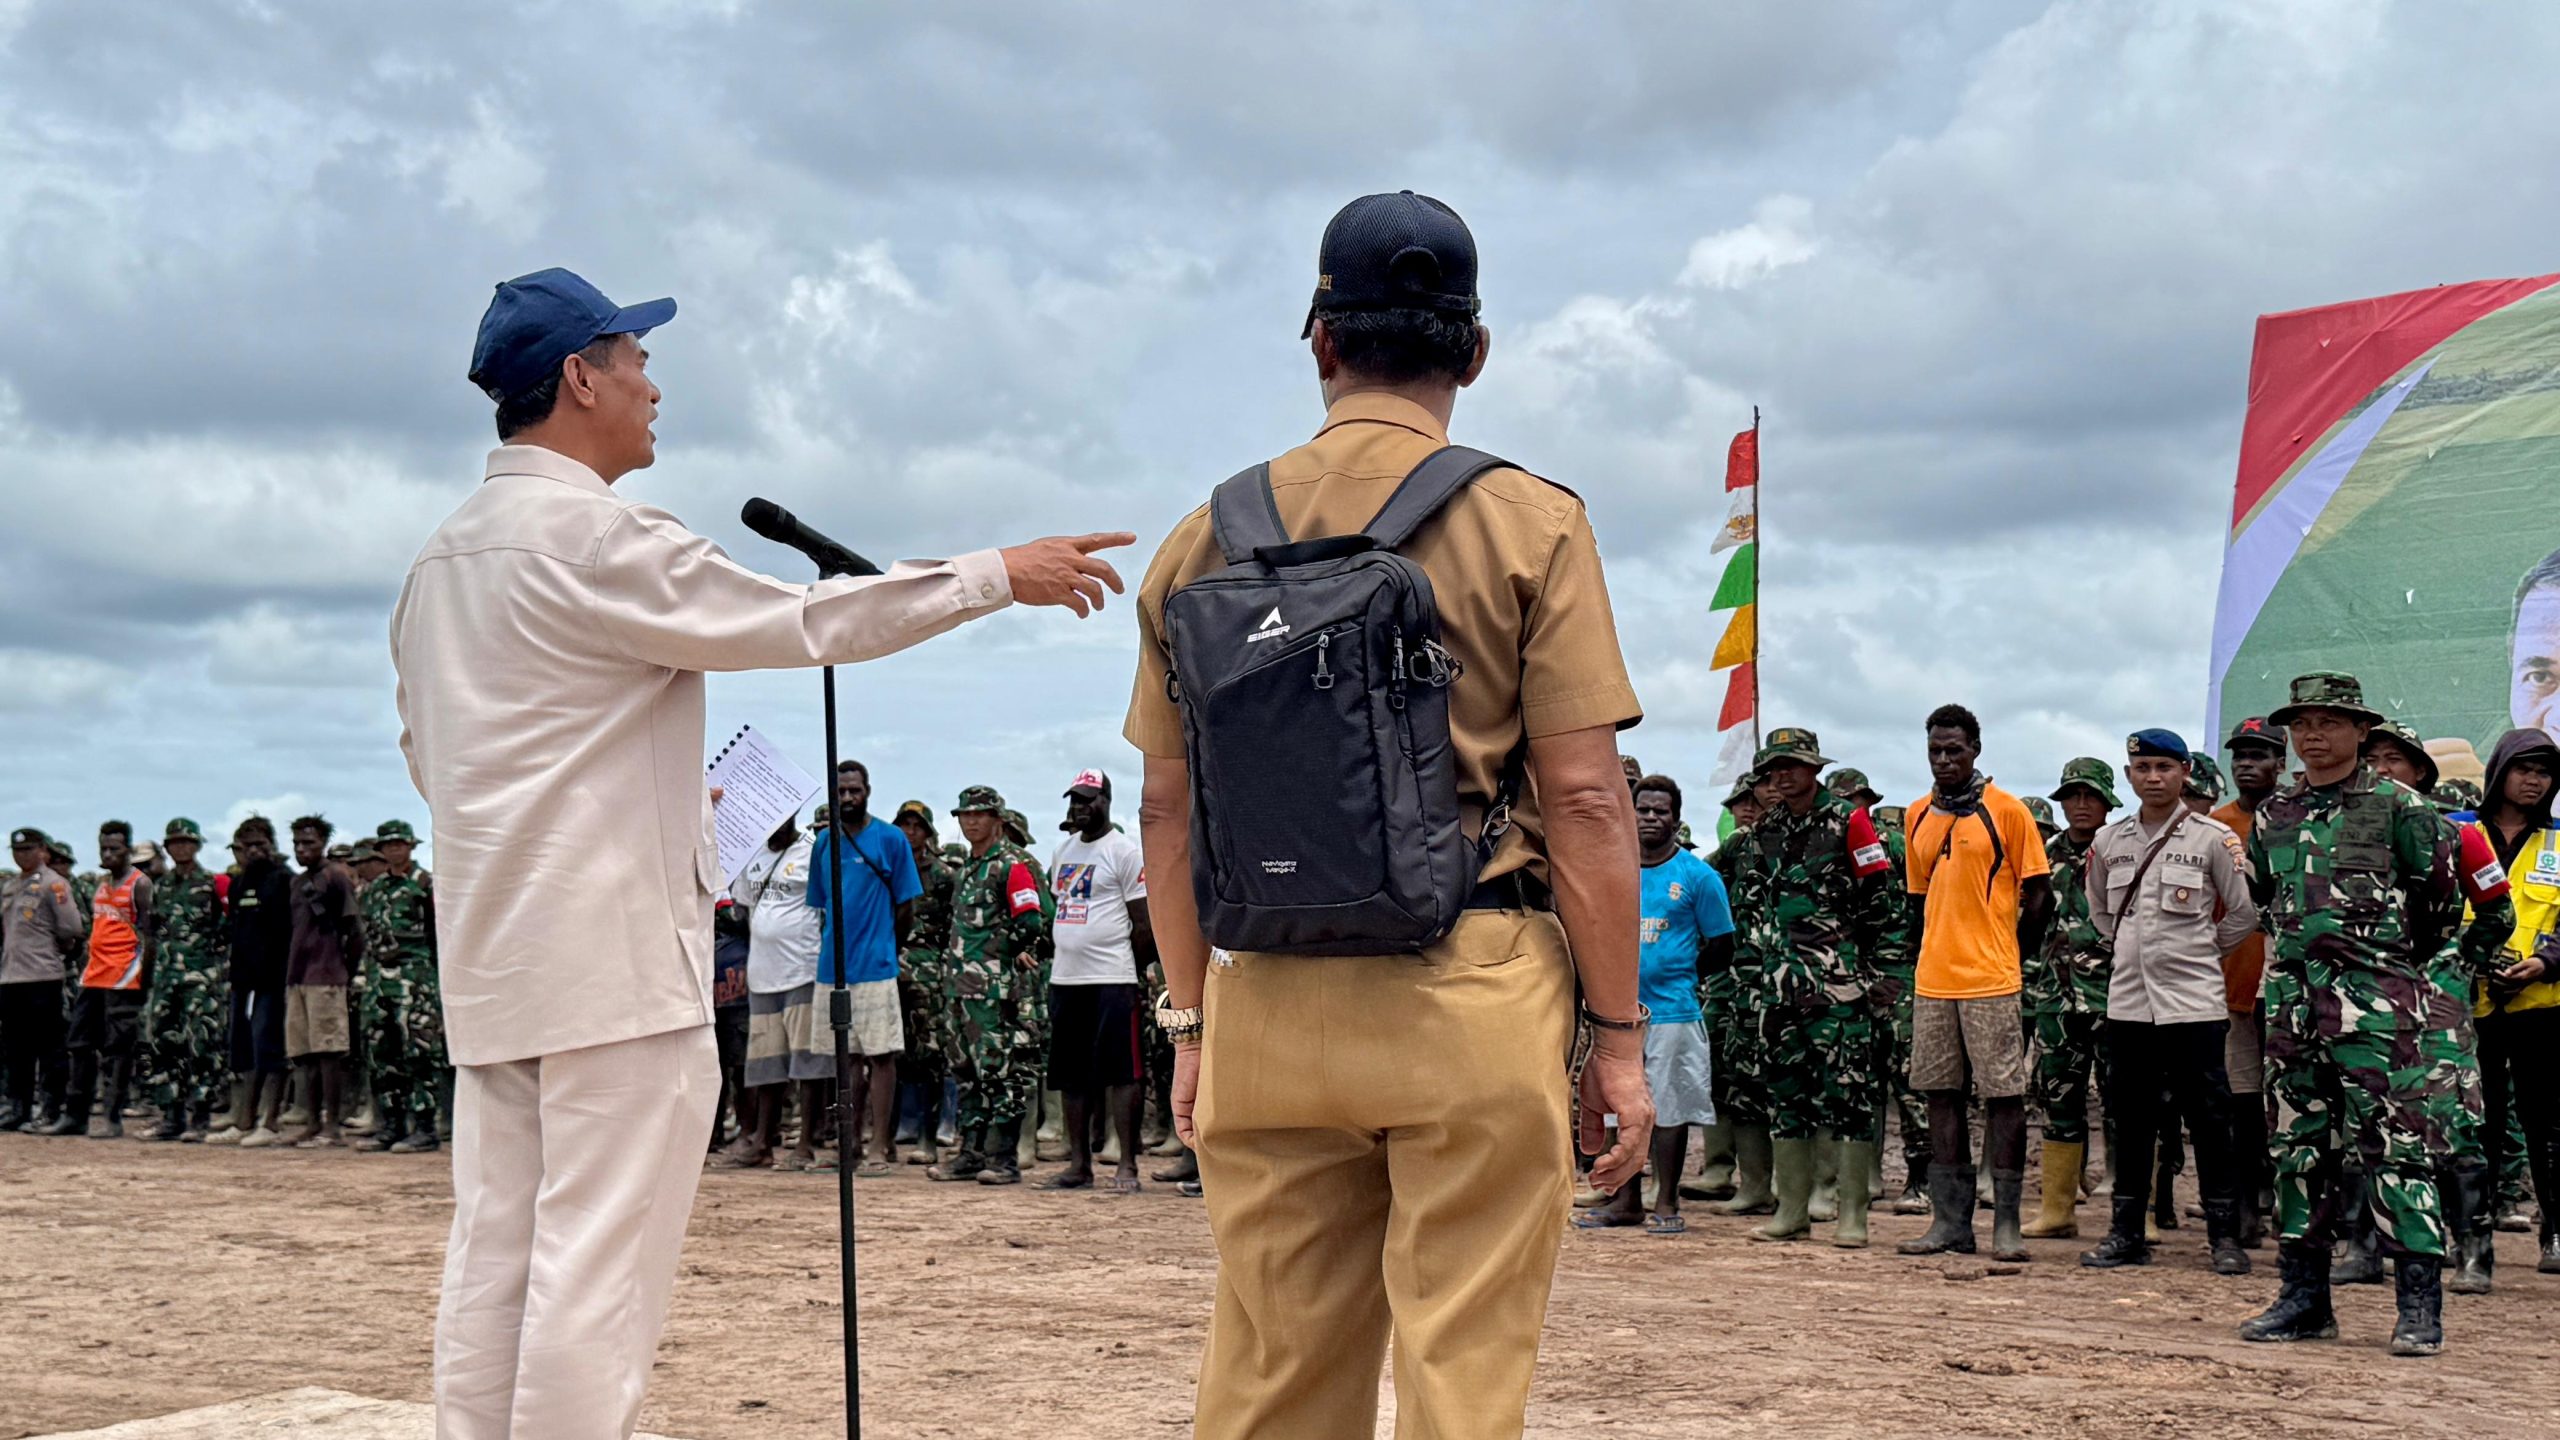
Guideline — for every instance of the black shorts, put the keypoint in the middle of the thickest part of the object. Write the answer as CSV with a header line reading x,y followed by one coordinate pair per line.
x,y
1093,1037
257,1031
729,1033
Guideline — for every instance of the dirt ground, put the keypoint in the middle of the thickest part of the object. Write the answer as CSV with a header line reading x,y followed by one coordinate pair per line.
x,y
137,1279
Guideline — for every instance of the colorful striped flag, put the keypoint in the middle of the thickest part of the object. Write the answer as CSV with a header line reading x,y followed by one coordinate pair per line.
x,y
1738,591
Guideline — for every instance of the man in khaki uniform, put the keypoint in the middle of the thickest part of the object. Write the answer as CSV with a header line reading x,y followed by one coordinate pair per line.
x,y
1383,1138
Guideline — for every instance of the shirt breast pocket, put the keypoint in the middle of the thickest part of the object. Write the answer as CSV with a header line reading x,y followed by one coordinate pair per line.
x,y
2183,890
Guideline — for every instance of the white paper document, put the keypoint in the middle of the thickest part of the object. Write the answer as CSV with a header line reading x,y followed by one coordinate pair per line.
x,y
759,788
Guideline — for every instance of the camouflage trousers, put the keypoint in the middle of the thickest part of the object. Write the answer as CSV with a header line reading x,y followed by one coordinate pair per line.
x,y
1893,1059
2070,1053
186,1028
923,999
2378,1103
400,1034
997,1050
1822,1076
1737,1080
2455,1051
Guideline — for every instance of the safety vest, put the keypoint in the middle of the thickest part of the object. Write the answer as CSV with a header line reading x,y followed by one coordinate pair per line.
x,y
2534,883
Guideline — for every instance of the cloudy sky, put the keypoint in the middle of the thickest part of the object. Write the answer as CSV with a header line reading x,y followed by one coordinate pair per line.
x,y
961,274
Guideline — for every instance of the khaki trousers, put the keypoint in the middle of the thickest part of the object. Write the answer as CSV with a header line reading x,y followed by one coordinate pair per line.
x,y
573,1176
1384,1146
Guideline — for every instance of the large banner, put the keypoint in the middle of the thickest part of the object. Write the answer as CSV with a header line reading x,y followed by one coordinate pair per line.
x,y
2398,513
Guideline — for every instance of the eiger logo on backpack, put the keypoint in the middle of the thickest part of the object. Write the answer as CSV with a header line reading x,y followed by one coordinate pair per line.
x,y
1324,801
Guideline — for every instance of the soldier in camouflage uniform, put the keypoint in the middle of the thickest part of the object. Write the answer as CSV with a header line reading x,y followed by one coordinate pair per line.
x,y
2361,887
1826,932
2464,1186
1893,1024
924,976
187,1016
1732,1008
1001,908
2066,998
402,1015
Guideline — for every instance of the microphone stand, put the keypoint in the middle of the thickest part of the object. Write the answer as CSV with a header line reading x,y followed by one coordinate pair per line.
x,y
840,1015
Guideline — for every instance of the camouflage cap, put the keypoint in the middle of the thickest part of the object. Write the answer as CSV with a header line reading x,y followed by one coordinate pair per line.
x,y
61,850
341,852
1791,745
1016,828
2204,778
978,799
2042,809
2398,735
818,816
182,828
365,848
2256,730
395,830
920,810
2455,797
2092,774
1851,785
30,836
1742,790
1888,816
2325,690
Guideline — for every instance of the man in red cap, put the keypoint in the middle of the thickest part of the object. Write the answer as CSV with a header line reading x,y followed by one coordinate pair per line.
x,y
1105,943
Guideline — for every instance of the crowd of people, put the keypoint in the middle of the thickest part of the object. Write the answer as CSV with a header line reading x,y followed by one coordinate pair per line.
x,y
2340,988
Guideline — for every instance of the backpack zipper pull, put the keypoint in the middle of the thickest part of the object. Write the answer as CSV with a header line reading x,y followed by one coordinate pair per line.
x,y
1395,681
1324,674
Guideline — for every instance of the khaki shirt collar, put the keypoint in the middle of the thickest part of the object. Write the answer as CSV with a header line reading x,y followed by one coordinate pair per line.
x,y
549,464
1379,407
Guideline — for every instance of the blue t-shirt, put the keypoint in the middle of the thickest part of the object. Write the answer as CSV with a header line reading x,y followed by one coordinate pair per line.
x,y
1684,908
871,936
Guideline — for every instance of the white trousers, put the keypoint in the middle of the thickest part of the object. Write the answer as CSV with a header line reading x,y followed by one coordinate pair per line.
x,y
573,1176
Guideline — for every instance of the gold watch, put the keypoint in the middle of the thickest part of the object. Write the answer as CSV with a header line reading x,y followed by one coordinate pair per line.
x,y
1179,1026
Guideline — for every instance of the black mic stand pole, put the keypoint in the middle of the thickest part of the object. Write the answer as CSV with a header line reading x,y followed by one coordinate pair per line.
x,y
840,1015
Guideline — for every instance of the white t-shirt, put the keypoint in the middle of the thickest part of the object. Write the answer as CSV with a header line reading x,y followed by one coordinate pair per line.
x,y
1094,881
783,932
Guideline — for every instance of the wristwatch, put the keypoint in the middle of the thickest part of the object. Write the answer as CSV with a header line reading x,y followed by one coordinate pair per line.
x,y
1179,1026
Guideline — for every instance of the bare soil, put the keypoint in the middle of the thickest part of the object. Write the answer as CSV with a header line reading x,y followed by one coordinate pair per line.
x,y
138,1279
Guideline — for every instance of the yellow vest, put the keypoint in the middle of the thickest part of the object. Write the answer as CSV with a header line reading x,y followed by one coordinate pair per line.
x,y
2534,883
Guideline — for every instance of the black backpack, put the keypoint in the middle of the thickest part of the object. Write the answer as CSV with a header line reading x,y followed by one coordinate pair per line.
x,y
1315,714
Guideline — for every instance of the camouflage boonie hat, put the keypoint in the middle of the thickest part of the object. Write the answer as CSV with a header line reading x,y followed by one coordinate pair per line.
x,y
1851,785
341,852
61,850
1791,745
395,830
2325,690
819,815
2042,809
2394,732
2257,731
920,810
2204,778
182,828
2092,774
2453,797
1888,816
978,799
1016,828
363,850
1741,791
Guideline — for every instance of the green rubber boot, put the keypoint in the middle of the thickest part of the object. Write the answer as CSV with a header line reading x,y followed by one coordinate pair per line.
x,y
1751,1192
1791,1175
1861,1161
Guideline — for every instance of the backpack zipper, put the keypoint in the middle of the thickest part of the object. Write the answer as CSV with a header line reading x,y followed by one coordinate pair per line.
x,y
1324,674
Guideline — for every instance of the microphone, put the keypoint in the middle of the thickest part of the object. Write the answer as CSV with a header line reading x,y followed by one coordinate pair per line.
x,y
784,528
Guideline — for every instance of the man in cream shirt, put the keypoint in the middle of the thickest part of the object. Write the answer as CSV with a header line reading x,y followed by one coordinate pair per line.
x,y
550,643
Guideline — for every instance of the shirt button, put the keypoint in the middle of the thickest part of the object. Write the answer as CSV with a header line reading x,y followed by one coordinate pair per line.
x,y
987,592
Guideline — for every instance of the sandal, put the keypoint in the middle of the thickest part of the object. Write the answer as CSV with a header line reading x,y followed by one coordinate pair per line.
x,y
1602,1220
732,1160
1066,1182
1666,1225
874,1170
1119,1185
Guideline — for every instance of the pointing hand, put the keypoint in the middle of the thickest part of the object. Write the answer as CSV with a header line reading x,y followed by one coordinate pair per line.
x,y
1062,570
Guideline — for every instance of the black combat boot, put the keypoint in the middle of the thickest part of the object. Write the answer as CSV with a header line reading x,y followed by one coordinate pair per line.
x,y
1004,1147
119,1087
2222,1232
2470,1229
2302,1310
387,1129
173,1123
2420,1330
1950,1214
967,1162
2124,1244
2361,1263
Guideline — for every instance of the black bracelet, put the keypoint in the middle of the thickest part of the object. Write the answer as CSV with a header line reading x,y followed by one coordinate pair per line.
x,y
1644,1017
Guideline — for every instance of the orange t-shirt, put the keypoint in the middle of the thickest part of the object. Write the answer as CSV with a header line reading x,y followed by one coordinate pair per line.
x,y
1969,939
2247,962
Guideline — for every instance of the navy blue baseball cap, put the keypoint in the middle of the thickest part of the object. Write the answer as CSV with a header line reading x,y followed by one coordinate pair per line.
x,y
536,321
2156,744
1395,252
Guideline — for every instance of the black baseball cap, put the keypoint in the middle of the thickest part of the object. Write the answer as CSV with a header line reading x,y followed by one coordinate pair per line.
x,y
536,321
1395,252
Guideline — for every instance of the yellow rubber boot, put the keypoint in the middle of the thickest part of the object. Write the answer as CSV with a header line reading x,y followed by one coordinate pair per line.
x,y
2059,1219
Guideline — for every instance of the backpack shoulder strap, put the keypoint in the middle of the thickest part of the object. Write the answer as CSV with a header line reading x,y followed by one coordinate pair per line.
x,y
1442,474
1244,516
